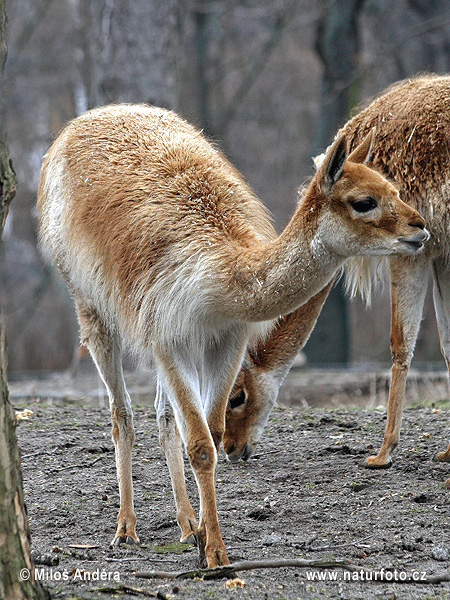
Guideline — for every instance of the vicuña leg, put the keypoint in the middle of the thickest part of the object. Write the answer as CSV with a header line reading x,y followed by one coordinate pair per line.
x,y
199,409
181,382
220,367
409,278
106,352
170,441
441,295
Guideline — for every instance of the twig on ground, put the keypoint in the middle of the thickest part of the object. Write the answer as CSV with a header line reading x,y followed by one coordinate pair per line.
x,y
126,589
82,466
266,453
146,558
229,571
39,453
332,547
245,565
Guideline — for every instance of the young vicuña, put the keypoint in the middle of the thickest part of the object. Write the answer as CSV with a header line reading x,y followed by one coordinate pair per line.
x,y
412,147
164,246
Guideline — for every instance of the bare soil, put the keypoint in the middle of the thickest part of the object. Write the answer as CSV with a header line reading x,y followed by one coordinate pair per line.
x,y
305,494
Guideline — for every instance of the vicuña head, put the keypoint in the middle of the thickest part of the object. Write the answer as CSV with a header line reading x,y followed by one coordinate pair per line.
x,y
163,244
263,371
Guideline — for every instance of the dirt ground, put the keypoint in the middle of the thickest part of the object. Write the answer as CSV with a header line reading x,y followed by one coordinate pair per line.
x,y
304,494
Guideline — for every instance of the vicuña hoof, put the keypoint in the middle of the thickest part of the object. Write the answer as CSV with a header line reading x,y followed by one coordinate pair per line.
x,y
124,539
442,457
374,462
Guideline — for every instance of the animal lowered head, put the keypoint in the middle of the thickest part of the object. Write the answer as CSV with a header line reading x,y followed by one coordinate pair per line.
x,y
249,407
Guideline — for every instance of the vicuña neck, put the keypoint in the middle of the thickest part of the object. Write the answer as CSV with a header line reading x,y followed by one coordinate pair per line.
x,y
277,351
278,277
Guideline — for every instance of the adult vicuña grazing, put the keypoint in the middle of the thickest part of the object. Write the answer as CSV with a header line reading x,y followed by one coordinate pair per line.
x,y
163,244
411,146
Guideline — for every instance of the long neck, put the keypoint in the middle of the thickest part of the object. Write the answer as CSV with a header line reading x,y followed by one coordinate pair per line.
x,y
276,278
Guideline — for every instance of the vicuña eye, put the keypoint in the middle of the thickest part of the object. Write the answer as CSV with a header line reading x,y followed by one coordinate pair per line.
x,y
364,205
237,400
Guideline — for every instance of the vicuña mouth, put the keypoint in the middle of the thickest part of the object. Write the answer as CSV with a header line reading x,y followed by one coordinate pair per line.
x,y
247,451
415,245
416,242
244,454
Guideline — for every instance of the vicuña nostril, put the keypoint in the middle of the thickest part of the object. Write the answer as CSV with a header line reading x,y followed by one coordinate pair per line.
x,y
231,448
420,223
246,452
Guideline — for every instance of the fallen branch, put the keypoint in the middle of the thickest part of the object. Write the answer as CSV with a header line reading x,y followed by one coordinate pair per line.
x,y
380,576
137,558
245,565
334,547
39,453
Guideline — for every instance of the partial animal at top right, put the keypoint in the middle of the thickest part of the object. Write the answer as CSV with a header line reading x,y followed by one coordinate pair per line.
x,y
411,147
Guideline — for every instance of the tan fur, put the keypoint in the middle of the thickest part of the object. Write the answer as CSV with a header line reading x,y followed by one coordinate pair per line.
x,y
412,121
412,149
164,245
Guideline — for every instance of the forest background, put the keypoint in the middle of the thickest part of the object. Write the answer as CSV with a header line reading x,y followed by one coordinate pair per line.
x,y
269,81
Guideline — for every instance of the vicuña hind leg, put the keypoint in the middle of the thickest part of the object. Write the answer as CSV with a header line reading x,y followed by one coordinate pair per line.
x,y
106,352
170,441
408,287
441,296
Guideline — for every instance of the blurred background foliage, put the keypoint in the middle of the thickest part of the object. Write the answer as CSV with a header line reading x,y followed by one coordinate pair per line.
x,y
269,81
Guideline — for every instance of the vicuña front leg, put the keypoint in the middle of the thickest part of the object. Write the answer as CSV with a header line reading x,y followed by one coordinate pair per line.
x,y
106,352
180,378
170,441
220,367
408,288
203,458
441,296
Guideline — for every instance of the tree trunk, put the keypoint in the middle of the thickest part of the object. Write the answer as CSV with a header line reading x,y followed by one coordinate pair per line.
x,y
337,44
130,51
16,569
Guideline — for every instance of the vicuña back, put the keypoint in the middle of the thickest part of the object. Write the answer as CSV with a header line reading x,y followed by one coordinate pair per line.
x,y
138,210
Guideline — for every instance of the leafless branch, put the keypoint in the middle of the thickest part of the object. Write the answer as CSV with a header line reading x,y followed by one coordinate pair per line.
x,y
128,590
413,32
80,466
230,570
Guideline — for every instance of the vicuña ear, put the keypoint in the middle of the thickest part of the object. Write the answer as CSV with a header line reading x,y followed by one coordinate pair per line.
x,y
361,154
333,164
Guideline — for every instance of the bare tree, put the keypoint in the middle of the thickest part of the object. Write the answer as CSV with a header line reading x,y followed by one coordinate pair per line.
x,y
337,45
216,115
16,569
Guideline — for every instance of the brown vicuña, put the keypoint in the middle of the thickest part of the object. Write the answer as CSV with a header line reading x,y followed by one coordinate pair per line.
x,y
164,246
412,147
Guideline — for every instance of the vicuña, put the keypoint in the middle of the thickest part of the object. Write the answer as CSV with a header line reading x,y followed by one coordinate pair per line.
x,y
165,247
412,147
